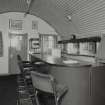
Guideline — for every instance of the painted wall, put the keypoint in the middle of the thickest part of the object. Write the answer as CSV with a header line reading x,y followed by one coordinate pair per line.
x,y
43,28
100,56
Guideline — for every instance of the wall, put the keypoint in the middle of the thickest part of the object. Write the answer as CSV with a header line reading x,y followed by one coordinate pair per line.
x,y
43,28
101,51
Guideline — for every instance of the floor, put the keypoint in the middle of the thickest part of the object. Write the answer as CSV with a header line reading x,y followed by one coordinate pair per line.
x,y
24,94
8,87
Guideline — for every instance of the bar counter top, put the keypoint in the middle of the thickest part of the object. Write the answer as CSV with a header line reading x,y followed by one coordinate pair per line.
x,y
62,61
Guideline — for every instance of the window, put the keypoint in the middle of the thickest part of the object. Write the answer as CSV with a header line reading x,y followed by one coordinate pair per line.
x,y
87,48
15,24
72,48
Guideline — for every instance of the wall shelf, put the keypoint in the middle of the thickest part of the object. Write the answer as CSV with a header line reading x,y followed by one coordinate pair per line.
x,y
88,39
81,46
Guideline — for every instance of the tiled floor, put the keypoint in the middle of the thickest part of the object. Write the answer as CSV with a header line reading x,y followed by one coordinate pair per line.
x,y
23,92
8,86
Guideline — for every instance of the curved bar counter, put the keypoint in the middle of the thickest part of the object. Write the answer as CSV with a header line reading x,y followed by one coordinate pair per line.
x,y
85,82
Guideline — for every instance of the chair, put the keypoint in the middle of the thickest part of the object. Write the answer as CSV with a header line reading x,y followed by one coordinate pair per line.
x,y
36,65
24,64
46,83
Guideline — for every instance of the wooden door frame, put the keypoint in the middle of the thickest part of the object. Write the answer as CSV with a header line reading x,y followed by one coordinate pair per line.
x,y
15,34
41,39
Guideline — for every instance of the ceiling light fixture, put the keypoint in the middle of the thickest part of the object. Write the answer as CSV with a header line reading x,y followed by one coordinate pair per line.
x,y
29,4
69,17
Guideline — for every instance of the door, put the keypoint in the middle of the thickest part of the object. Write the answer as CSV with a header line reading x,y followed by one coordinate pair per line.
x,y
18,45
98,85
77,81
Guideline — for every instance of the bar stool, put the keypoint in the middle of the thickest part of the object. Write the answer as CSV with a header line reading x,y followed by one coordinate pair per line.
x,y
46,83
25,87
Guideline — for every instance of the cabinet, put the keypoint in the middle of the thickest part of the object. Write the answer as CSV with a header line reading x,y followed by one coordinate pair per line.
x,y
86,84
98,85
77,80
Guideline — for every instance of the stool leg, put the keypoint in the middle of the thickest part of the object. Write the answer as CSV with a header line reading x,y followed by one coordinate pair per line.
x,y
36,97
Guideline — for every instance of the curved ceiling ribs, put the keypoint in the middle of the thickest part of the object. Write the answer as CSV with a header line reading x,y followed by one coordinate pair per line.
x,y
87,16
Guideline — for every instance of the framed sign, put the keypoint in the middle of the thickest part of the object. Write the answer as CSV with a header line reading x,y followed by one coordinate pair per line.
x,y
34,43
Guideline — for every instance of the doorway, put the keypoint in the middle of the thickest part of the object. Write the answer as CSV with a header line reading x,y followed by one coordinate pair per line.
x,y
48,44
17,45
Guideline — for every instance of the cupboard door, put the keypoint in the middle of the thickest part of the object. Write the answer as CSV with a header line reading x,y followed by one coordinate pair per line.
x,y
77,80
80,86
98,86
64,76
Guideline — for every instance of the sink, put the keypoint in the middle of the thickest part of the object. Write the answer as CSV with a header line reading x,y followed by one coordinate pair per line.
x,y
70,61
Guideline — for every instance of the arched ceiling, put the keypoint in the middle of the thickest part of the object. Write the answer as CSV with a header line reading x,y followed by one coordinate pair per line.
x,y
87,16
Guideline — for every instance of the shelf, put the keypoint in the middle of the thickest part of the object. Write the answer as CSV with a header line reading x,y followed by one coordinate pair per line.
x,y
89,39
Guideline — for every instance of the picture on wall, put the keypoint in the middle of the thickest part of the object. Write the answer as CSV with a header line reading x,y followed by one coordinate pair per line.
x,y
34,43
1,45
15,24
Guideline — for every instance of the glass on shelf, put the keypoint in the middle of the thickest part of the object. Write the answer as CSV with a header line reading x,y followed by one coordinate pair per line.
x,y
87,48
72,48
